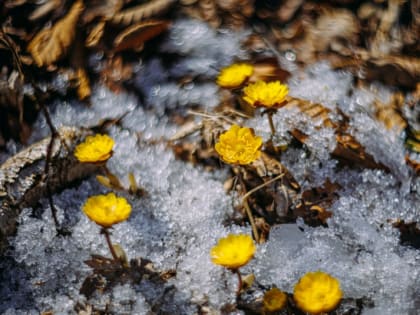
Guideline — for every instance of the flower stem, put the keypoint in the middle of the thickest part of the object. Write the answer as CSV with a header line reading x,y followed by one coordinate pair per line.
x,y
105,232
238,292
270,114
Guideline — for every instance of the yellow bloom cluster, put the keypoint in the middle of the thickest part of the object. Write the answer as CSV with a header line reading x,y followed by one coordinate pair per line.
x,y
94,149
234,75
239,146
233,251
107,210
274,300
262,94
317,292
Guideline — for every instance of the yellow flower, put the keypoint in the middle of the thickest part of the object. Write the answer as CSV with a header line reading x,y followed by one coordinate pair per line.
x,y
97,148
262,94
239,145
234,75
274,300
233,251
107,210
317,292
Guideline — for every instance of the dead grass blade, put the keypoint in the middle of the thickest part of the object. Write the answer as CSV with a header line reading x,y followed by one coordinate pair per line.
x,y
51,44
95,34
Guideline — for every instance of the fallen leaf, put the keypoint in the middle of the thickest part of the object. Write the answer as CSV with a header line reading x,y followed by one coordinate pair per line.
x,y
51,44
83,89
135,36
142,12
104,9
390,113
44,9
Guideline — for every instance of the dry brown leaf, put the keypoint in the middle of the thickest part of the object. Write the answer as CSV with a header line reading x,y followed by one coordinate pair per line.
x,y
105,9
141,12
332,28
268,69
135,36
83,90
44,9
390,113
405,70
387,20
314,203
51,44
95,34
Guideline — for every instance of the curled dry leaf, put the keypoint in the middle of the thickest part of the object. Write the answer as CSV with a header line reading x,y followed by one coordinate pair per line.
x,y
135,36
142,12
387,20
333,27
268,69
314,202
52,43
405,70
44,9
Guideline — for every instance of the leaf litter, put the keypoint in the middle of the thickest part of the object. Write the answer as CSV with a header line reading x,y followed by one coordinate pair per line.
x,y
336,188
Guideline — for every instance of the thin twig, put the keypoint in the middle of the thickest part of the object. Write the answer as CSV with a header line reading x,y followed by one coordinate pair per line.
x,y
249,193
215,116
54,135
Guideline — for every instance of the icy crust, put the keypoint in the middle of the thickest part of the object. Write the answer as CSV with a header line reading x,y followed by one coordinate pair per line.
x,y
390,151
331,89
